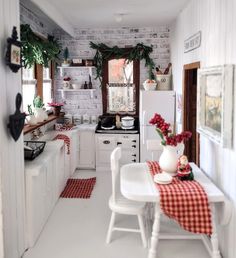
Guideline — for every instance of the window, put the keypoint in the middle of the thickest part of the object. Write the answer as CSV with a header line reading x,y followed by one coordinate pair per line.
x,y
36,81
28,87
121,87
47,85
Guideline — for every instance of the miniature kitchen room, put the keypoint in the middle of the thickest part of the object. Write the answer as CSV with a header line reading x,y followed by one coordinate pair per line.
x,y
118,136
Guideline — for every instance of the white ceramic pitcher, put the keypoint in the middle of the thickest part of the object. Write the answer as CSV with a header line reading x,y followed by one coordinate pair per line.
x,y
169,158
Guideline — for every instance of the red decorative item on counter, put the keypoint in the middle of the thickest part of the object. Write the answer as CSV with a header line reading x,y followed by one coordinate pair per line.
x,y
184,170
66,140
166,134
56,107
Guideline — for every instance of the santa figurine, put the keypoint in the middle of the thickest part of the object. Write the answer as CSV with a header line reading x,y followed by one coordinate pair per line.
x,y
184,170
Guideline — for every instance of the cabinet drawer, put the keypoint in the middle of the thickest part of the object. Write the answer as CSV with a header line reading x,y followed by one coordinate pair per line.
x,y
106,143
127,142
129,157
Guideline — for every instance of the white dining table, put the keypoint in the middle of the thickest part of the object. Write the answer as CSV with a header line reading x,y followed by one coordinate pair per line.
x,y
137,184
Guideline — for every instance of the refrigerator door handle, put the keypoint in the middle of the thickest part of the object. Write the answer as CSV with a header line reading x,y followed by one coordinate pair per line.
x,y
143,118
144,134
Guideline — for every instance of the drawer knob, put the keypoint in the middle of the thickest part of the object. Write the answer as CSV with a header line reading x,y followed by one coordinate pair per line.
x,y
118,143
134,146
106,142
134,160
134,141
134,155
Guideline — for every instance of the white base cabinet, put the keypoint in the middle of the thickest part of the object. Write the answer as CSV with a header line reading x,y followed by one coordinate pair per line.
x,y
44,181
106,143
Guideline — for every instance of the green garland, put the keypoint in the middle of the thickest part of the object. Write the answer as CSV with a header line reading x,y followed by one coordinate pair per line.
x,y
36,50
139,52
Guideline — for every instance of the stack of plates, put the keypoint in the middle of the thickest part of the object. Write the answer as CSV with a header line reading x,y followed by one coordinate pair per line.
x,y
162,178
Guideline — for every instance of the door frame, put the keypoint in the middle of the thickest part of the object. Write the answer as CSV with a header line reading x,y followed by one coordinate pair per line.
x,y
195,65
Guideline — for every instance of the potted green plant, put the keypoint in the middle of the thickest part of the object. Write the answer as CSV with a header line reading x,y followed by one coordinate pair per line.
x,y
40,113
66,61
31,119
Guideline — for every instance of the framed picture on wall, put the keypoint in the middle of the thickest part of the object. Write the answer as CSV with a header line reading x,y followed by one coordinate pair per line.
x,y
215,104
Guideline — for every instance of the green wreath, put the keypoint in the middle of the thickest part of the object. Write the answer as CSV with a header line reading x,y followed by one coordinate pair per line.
x,y
139,52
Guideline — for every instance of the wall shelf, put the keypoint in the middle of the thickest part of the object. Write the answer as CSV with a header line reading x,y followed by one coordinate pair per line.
x,y
77,90
62,68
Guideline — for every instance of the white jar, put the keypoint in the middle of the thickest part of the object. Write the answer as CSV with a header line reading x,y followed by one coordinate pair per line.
x,y
93,119
77,119
86,119
68,119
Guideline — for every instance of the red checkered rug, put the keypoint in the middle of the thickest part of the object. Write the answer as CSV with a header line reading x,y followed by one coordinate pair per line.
x,y
79,188
184,201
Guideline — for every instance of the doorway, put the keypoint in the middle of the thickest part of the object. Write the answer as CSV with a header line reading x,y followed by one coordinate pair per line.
x,y
192,147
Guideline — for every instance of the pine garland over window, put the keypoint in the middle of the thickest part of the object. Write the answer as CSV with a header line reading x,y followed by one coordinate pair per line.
x,y
35,50
139,52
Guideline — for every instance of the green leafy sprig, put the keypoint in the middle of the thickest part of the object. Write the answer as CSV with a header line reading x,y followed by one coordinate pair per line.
x,y
36,50
139,52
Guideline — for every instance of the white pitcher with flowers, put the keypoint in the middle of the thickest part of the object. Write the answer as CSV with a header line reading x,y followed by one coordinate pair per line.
x,y
173,144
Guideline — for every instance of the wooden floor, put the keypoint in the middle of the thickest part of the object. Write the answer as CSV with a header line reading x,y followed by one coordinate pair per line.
x,y
77,229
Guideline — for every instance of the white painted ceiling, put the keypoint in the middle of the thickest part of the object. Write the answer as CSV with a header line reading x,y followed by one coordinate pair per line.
x,y
101,13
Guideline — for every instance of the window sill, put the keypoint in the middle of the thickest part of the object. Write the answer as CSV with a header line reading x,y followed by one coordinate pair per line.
x,y
30,128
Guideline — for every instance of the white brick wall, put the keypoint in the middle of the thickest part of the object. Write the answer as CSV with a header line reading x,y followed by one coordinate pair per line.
x,y
81,103
37,24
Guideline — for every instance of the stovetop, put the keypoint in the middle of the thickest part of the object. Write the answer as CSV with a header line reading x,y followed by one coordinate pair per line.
x,y
116,130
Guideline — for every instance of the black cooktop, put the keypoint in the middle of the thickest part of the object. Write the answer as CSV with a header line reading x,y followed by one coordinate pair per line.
x,y
107,125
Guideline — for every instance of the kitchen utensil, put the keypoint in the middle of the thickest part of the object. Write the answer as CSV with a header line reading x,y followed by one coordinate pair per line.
x,y
86,119
93,119
127,121
77,119
149,86
17,120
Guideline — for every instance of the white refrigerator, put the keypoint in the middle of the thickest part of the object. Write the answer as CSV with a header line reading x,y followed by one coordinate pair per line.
x,y
151,102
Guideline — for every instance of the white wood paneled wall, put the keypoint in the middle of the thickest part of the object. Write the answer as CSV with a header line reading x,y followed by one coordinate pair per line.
x,y
217,21
11,155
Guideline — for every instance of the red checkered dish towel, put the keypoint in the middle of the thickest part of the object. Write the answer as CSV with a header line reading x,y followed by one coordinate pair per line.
x,y
66,141
184,201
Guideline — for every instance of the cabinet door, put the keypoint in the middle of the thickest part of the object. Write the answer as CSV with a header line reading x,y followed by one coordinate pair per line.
x,y
105,144
86,149
86,140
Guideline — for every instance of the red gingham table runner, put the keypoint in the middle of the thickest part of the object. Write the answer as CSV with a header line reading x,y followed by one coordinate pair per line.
x,y
184,201
66,141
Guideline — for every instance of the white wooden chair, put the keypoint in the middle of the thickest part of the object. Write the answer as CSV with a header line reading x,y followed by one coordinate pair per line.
x,y
119,204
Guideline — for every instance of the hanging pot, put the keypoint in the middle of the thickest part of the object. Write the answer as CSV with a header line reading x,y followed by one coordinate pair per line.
x,y
127,121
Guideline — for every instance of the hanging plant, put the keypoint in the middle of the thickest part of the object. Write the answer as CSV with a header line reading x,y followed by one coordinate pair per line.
x,y
35,50
139,52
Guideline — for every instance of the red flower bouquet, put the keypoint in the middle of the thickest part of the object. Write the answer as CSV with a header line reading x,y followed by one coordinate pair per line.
x,y
56,107
55,104
166,134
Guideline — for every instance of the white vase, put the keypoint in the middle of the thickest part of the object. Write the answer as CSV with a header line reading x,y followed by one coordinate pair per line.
x,y
169,158
39,114
31,120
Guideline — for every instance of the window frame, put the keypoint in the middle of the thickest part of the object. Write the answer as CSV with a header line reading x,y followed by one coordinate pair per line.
x,y
105,81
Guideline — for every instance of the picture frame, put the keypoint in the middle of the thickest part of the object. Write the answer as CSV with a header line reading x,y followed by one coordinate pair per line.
x,y
13,55
215,104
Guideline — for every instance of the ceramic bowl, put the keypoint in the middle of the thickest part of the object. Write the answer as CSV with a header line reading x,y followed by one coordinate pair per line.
x,y
150,86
